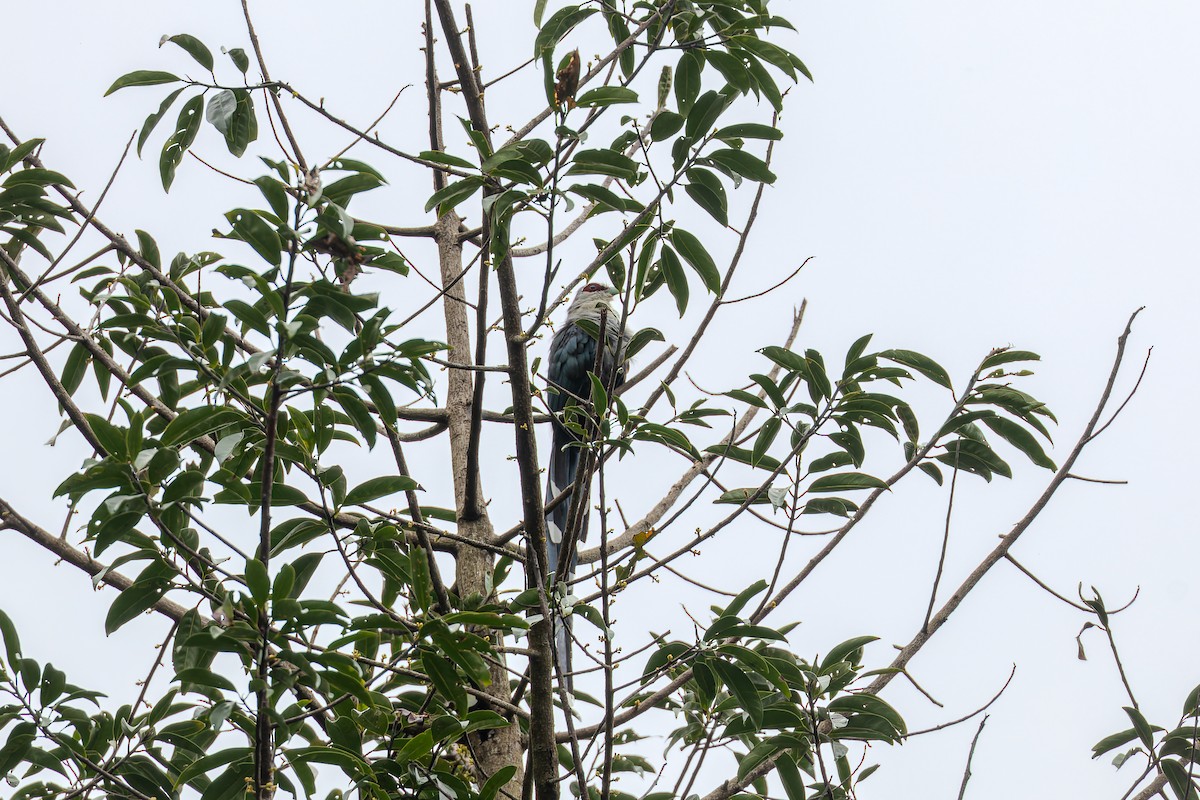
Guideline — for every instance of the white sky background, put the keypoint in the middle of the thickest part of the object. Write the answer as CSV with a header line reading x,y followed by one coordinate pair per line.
x,y
965,176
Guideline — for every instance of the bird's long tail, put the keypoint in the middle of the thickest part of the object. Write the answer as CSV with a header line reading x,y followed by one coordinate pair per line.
x,y
564,464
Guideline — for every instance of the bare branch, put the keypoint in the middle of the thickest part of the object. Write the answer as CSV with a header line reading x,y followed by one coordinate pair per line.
x,y
974,713
11,520
1006,542
262,66
962,791
1155,787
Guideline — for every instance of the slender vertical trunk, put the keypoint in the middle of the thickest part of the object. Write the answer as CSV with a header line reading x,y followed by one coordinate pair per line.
x,y
492,749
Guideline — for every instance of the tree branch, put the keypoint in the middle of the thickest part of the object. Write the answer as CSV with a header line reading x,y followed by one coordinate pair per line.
x,y
939,619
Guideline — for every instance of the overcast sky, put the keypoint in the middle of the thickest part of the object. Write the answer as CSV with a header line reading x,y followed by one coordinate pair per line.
x,y
964,175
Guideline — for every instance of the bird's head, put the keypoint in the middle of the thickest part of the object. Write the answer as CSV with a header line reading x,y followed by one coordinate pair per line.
x,y
591,299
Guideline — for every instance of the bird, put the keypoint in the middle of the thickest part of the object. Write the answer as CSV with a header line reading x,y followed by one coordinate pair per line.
x,y
572,357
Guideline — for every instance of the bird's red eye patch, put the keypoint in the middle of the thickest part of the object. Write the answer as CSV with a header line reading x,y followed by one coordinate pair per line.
x,y
595,287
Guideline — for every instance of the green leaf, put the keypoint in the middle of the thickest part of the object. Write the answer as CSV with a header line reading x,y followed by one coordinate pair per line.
x,y
707,191
870,718
382,399
257,579
141,77
275,193
605,198
341,190
416,747
1180,778
195,48
1113,741
1144,731
211,761
438,157
962,420
200,676
704,114
849,650
731,67
921,363
786,359
975,457
749,130
20,741
75,368
559,25
687,81
606,96
505,774
149,248
213,329
53,682
771,389
739,162
380,487
604,162
759,753
932,471
846,481
186,128
239,58
642,338
1020,438
358,412
743,456
153,120
249,316
1007,357
196,422
762,81
446,680
790,777
694,253
599,395
258,233
766,437
250,494
38,177
450,196
1191,705
741,688
243,125
665,125
773,54
912,428
111,438
664,85
653,432
677,283
12,644
18,154
751,496
838,506
743,597
131,603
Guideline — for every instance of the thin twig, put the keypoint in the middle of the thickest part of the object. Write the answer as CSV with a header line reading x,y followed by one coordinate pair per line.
x,y
1097,480
976,712
937,578
793,274
962,791
262,65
